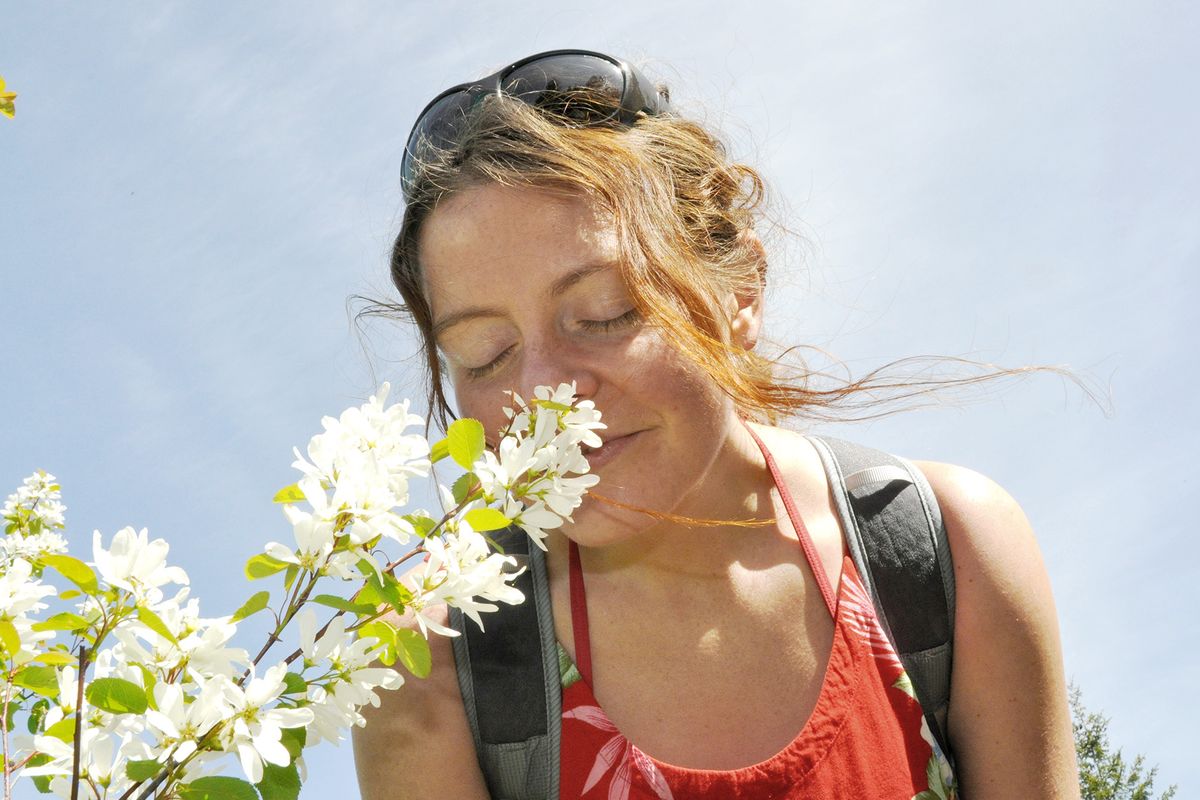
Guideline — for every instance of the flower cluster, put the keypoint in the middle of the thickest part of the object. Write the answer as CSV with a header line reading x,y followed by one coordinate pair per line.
x,y
151,698
33,515
539,472
356,475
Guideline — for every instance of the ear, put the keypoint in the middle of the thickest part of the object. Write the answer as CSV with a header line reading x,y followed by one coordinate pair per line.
x,y
746,308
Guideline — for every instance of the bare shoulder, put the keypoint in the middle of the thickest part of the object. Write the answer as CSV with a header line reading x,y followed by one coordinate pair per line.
x,y
1009,722
980,515
417,743
996,555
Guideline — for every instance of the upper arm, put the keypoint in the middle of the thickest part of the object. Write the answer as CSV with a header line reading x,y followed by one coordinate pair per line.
x,y
417,743
1009,722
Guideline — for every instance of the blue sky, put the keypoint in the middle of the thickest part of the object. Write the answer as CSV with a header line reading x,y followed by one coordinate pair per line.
x,y
192,192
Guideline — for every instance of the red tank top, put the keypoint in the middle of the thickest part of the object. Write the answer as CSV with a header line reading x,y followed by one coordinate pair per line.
x,y
866,737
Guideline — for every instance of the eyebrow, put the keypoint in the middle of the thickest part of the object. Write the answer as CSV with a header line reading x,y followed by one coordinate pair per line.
x,y
558,287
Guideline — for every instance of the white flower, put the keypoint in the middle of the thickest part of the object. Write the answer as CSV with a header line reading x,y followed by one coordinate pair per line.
x,y
18,594
31,547
539,471
256,733
39,496
182,724
314,536
352,678
460,569
21,596
136,564
199,646
103,755
366,458
317,650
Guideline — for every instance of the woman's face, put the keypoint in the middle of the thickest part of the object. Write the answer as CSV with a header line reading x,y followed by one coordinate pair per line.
x,y
525,289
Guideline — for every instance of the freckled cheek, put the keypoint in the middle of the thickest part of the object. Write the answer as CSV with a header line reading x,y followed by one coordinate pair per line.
x,y
663,371
485,405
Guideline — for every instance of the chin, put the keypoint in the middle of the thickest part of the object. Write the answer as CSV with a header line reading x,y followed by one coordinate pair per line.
x,y
599,524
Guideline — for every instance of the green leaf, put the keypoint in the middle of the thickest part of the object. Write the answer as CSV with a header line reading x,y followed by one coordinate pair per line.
x,y
290,578
218,787
440,450
369,595
422,523
36,712
142,770
10,640
294,739
550,404
56,658
342,604
69,594
486,519
262,565
155,623
257,602
294,684
279,783
149,681
289,494
386,634
462,488
391,590
63,730
74,570
414,653
43,680
466,441
116,696
42,782
66,621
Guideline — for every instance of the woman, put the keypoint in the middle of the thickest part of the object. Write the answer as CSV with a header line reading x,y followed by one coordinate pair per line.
x,y
563,225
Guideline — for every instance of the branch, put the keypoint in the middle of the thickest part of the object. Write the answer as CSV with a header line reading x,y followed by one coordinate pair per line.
x,y
83,652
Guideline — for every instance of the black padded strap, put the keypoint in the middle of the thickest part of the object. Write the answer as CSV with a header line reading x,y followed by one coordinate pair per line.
x,y
508,674
895,535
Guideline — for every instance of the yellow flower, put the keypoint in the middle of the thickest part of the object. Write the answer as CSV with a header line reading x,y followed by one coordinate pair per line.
x,y
6,100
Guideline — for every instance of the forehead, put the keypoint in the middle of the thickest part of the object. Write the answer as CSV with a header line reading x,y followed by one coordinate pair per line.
x,y
491,239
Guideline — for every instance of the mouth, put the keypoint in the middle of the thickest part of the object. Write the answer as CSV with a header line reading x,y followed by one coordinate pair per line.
x,y
612,446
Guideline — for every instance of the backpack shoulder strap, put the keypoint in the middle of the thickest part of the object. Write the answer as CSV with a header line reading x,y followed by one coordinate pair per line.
x,y
895,535
509,677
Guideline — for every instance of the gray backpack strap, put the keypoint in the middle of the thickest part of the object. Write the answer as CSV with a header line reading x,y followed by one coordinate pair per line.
x,y
509,677
895,535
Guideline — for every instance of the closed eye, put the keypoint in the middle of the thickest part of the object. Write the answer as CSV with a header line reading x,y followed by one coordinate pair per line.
x,y
490,367
628,319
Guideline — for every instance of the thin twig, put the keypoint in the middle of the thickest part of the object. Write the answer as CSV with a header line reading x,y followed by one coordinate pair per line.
x,y
78,722
4,724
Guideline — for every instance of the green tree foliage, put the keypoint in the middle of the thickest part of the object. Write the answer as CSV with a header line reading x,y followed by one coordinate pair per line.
x,y
1103,773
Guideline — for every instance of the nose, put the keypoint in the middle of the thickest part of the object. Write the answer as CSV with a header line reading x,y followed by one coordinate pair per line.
x,y
550,363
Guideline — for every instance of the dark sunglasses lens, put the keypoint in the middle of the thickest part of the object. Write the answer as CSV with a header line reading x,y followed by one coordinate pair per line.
x,y
438,128
578,87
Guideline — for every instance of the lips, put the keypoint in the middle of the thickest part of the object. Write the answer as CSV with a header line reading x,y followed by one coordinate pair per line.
x,y
614,445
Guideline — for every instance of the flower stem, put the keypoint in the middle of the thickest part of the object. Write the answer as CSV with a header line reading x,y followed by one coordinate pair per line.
x,y
4,725
83,655
289,612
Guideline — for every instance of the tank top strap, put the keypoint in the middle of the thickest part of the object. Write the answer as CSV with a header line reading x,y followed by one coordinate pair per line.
x,y
579,615
806,543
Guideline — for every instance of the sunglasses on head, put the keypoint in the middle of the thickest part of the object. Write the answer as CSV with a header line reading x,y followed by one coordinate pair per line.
x,y
577,87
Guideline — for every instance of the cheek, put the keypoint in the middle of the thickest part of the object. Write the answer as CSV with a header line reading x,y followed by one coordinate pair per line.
x,y
486,405
674,381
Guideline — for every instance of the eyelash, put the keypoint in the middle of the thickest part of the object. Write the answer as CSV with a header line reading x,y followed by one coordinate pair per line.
x,y
604,325
628,319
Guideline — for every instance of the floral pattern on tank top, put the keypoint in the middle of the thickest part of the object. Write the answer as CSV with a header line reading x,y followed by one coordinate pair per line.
x,y
866,737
